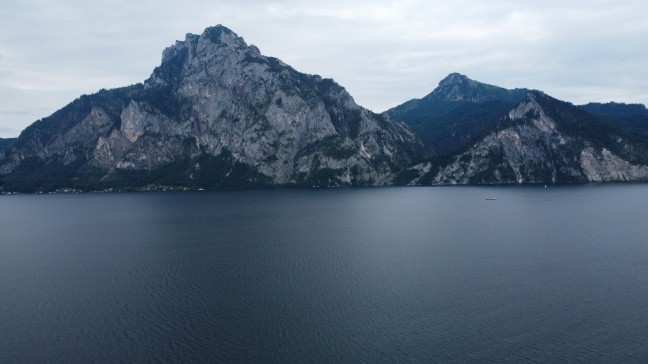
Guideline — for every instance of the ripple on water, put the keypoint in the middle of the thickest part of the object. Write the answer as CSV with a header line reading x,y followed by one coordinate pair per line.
x,y
363,275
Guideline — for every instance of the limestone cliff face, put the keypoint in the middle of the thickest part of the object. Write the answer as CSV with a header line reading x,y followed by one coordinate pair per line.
x,y
216,112
541,140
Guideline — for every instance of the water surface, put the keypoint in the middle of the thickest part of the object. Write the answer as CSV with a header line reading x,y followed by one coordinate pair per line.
x,y
333,275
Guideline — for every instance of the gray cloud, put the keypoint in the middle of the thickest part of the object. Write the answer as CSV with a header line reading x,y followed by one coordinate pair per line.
x,y
383,51
9,132
15,112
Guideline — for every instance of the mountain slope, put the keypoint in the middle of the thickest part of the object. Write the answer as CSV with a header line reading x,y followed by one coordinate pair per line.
x,y
541,140
215,113
5,143
615,109
632,117
456,111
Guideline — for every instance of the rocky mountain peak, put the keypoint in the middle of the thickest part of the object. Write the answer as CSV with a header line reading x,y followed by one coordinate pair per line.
x,y
217,35
220,33
215,113
527,107
217,42
457,110
458,87
454,79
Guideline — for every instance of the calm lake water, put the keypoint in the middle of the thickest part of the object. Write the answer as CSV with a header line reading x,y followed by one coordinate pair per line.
x,y
337,275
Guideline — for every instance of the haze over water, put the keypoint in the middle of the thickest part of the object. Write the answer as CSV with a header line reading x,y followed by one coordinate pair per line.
x,y
327,275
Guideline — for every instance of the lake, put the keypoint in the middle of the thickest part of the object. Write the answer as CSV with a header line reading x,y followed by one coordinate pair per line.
x,y
367,275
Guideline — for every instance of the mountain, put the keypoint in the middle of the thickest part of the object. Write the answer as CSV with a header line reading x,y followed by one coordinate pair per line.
x,y
457,111
215,113
5,143
541,140
615,109
633,117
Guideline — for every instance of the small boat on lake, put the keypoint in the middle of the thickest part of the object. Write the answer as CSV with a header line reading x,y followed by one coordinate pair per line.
x,y
491,199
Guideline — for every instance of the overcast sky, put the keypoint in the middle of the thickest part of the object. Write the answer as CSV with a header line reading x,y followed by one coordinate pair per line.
x,y
384,52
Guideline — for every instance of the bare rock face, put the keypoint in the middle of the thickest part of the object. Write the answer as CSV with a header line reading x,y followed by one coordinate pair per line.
x,y
602,165
541,140
215,113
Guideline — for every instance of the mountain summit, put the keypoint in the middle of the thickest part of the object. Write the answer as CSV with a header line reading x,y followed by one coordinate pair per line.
x,y
458,87
215,113
456,111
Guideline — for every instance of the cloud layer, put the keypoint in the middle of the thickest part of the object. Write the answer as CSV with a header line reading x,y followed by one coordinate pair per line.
x,y
383,52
